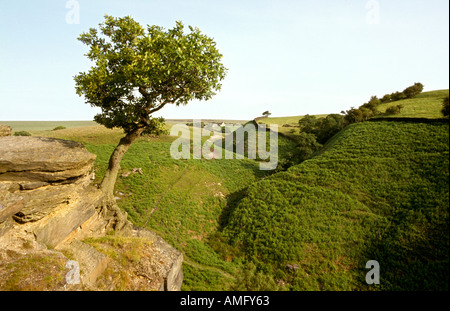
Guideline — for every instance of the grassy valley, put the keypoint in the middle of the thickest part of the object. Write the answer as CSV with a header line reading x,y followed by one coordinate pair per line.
x,y
377,190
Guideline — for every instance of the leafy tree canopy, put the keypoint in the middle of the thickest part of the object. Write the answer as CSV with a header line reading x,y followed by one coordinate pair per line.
x,y
140,70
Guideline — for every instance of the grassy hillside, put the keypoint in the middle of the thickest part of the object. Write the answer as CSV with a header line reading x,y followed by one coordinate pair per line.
x,y
184,201
424,105
379,192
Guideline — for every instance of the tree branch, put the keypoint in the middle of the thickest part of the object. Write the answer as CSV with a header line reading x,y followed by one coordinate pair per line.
x,y
145,94
157,108
172,101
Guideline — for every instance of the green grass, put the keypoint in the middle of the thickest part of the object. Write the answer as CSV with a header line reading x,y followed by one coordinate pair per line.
x,y
184,201
424,105
293,120
33,272
180,200
290,128
380,191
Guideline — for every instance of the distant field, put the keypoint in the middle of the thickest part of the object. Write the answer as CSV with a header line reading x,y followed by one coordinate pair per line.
x,y
177,121
39,126
293,120
31,126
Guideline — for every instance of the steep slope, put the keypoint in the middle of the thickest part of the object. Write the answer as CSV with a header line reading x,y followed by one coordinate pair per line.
x,y
378,192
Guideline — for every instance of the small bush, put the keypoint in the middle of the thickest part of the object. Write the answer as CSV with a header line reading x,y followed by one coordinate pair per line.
x,y
386,98
394,110
413,90
22,133
59,128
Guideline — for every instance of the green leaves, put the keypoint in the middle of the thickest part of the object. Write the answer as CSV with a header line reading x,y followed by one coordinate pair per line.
x,y
166,66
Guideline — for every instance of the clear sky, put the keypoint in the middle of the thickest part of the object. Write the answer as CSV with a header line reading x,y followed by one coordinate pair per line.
x,y
290,57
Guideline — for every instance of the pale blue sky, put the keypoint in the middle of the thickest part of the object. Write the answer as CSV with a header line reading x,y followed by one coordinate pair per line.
x,y
289,57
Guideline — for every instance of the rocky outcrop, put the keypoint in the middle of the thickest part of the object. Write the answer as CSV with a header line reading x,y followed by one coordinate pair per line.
x,y
35,159
5,130
47,200
46,172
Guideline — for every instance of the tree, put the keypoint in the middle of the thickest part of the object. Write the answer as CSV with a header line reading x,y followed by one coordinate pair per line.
x,y
306,146
355,115
397,96
308,124
413,90
372,105
138,71
266,113
445,108
366,113
386,98
329,126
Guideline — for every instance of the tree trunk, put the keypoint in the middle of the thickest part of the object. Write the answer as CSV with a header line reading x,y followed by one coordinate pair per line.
x,y
109,206
108,182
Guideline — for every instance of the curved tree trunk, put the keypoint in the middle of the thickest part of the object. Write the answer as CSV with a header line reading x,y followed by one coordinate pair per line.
x,y
109,180
109,206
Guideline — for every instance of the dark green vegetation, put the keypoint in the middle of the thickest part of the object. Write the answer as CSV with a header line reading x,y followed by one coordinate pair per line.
x,y
376,190
22,133
59,127
445,107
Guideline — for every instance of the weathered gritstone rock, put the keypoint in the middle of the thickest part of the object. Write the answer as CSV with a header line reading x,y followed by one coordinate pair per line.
x,y
57,226
46,201
153,264
165,261
10,204
91,262
5,130
44,159
46,172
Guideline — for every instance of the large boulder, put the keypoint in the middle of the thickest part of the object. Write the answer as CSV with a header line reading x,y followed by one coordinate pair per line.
x,y
5,130
30,158
47,173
